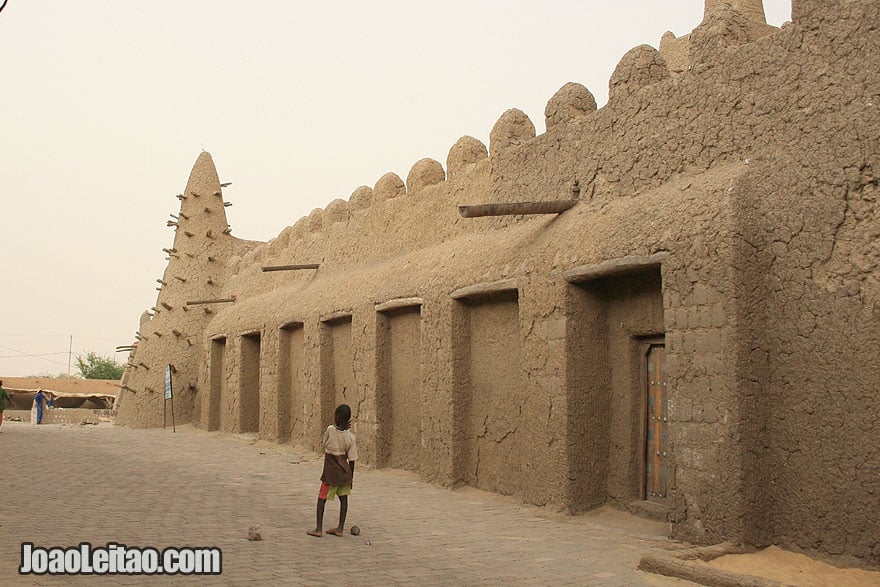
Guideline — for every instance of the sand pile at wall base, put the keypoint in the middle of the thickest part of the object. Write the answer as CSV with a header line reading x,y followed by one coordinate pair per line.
x,y
795,569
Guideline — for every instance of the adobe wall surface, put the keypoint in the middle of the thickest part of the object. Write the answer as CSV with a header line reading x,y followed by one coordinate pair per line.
x,y
726,206
813,312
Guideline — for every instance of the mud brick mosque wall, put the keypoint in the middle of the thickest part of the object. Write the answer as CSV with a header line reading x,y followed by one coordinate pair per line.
x,y
726,210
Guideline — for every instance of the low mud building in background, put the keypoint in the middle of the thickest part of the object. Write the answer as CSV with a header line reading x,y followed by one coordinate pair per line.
x,y
673,304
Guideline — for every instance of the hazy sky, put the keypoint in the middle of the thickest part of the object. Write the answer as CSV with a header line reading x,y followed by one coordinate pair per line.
x,y
106,104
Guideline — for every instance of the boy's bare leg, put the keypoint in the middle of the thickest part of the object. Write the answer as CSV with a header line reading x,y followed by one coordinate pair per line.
x,y
343,510
319,527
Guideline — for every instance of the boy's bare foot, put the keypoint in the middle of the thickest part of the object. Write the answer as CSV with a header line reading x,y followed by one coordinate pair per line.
x,y
335,532
315,533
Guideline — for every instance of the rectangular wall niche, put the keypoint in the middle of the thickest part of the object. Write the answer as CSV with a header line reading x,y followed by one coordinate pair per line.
x,y
337,368
610,318
217,387
399,386
488,381
249,409
291,382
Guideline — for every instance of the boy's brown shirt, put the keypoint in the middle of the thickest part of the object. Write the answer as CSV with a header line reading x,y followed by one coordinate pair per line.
x,y
339,449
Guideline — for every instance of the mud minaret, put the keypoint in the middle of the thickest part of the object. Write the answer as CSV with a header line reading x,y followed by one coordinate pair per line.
x,y
752,9
172,334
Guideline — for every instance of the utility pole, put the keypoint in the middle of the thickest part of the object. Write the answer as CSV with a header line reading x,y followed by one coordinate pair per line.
x,y
69,355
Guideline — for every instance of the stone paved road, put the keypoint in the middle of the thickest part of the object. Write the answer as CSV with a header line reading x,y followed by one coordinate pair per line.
x,y
61,485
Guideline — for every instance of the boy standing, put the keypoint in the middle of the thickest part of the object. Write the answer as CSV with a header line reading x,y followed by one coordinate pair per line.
x,y
39,400
340,453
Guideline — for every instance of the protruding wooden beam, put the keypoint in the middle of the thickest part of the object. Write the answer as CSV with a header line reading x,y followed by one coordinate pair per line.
x,y
214,301
516,208
226,184
292,267
227,204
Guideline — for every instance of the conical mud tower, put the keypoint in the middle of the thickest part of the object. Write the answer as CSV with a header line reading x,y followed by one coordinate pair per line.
x,y
169,333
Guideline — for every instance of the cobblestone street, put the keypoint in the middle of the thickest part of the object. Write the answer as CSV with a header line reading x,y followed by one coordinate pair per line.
x,y
63,485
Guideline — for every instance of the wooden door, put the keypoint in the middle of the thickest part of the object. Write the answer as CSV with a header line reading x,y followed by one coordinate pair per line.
x,y
657,429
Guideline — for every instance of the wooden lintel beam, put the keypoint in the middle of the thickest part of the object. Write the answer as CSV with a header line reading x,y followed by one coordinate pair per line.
x,y
611,267
337,316
486,289
399,304
292,267
516,208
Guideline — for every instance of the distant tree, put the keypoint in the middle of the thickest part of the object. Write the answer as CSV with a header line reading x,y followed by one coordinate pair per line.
x,y
94,366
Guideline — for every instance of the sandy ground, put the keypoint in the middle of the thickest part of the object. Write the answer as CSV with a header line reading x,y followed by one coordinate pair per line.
x,y
795,569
